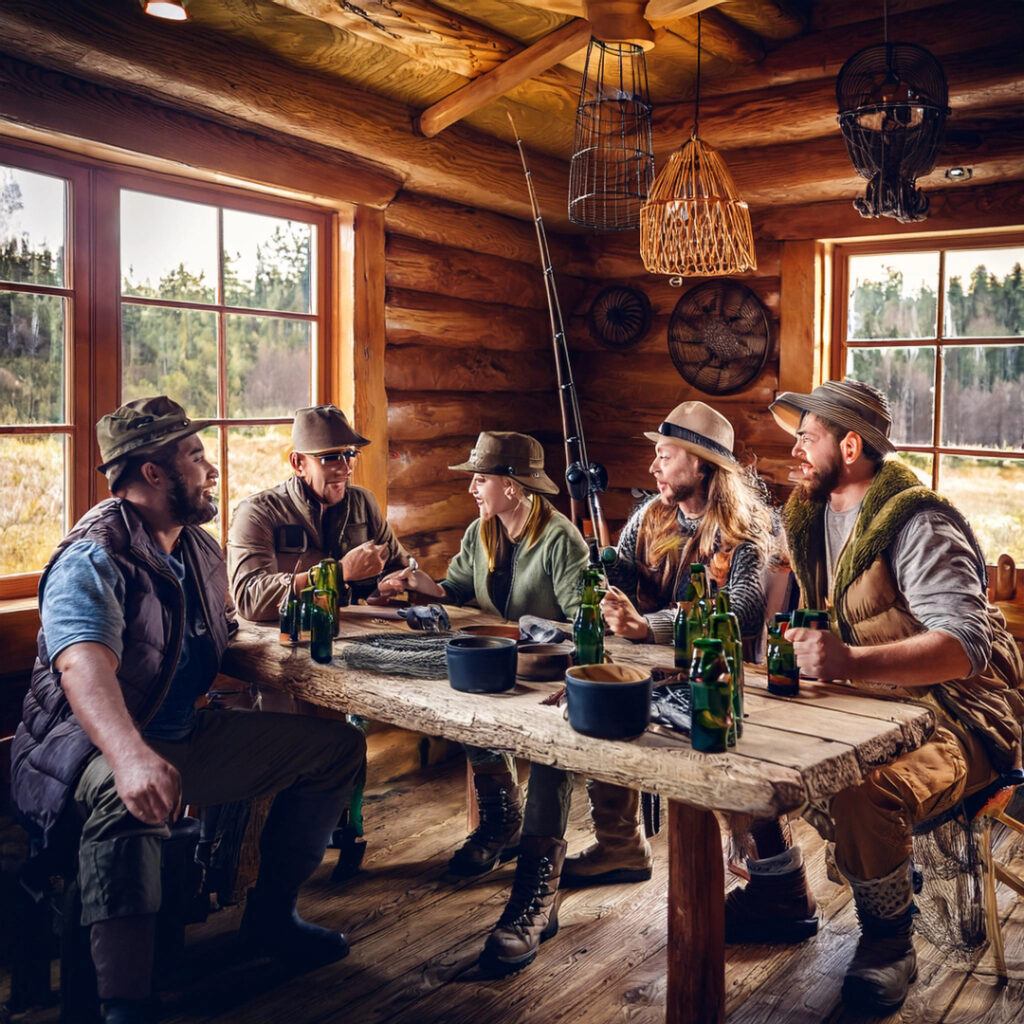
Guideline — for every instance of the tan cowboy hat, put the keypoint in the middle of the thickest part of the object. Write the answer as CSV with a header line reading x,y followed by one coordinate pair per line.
x,y
506,453
858,407
318,429
701,431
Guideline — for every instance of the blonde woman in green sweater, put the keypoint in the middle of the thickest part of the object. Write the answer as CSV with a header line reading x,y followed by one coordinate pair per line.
x,y
520,557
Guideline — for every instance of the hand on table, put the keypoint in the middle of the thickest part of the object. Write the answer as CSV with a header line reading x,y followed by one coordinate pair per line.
x,y
409,579
363,561
622,618
149,786
820,654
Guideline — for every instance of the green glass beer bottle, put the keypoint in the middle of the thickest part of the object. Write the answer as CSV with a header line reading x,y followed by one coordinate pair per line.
x,y
588,626
783,675
710,697
704,603
289,620
725,626
305,614
321,643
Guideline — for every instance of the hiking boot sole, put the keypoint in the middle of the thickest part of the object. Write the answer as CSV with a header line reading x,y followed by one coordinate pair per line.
x,y
501,967
781,932
614,877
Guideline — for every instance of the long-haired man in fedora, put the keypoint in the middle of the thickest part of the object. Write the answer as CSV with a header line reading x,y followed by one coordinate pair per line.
x,y
316,513
904,579
707,509
135,617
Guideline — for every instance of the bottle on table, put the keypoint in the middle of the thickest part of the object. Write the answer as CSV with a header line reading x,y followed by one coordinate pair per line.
x,y
711,715
324,578
305,614
588,626
812,618
725,626
704,605
683,629
288,616
321,643
783,675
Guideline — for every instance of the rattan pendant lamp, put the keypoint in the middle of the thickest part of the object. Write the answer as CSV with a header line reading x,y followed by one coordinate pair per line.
x,y
694,224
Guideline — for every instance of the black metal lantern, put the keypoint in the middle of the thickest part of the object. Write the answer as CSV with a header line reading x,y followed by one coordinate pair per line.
x,y
612,163
893,103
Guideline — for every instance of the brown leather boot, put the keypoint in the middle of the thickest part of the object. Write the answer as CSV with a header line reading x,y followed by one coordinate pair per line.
x,y
496,838
776,905
531,915
620,852
885,962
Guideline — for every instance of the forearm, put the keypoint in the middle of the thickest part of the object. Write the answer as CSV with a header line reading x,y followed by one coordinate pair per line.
x,y
922,660
89,680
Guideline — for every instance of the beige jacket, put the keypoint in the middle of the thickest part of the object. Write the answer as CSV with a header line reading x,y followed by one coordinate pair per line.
x,y
276,528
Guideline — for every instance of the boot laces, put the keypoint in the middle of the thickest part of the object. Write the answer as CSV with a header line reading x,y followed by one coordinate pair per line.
x,y
525,900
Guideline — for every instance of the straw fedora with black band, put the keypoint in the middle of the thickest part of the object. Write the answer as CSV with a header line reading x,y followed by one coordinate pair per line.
x,y
858,407
318,429
141,427
701,431
506,453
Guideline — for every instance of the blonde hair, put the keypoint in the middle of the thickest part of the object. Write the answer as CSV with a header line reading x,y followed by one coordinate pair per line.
x,y
494,536
737,512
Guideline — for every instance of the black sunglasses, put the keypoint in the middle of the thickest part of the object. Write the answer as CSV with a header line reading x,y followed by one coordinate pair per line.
x,y
348,455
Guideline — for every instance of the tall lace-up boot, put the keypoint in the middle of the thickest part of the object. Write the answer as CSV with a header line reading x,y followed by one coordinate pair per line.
x,y
885,962
620,852
776,905
496,838
531,915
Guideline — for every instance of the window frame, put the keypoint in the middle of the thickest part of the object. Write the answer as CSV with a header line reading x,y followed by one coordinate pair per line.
x,y
891,246
93,325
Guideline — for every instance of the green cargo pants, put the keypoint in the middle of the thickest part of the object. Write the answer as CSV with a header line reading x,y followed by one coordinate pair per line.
x,y
312,764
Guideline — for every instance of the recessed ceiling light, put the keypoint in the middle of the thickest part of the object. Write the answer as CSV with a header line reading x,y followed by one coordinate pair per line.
x,y
169,10
959,173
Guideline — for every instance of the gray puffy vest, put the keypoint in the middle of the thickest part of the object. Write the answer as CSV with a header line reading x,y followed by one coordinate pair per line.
x,y
50,749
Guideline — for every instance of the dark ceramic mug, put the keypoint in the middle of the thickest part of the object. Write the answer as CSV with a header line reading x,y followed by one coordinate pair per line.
x,y
481,664
611,702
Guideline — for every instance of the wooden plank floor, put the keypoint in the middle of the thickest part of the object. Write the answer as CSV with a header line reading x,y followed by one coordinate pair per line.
x,y
416,937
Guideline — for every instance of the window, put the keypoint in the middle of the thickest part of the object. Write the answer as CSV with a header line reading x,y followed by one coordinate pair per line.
x,y
938,327
114,286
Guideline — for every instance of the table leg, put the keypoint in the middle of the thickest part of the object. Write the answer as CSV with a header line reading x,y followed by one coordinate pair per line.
x,y
696,917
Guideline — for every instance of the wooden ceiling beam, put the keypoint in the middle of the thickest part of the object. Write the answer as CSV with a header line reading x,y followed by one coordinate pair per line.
x,y
660,11
951,28
237,86
114,125
981,79
954,208
770,19
543,54
834,13
720,37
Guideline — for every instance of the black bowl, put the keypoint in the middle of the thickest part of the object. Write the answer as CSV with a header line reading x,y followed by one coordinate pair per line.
x,y
481,664
611,702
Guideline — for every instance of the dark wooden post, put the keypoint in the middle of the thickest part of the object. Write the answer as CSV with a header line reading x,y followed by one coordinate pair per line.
x,y
696,918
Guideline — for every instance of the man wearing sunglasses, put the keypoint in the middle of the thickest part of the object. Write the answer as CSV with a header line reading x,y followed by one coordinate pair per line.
x,y
317,513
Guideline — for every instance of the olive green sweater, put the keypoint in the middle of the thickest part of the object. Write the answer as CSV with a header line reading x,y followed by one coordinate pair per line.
x,y
545,575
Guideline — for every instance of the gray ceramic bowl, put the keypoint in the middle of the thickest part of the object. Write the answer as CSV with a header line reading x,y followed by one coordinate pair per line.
x,y
481,664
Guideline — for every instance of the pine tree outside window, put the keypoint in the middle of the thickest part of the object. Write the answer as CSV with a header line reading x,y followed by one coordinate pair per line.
x,y
937,324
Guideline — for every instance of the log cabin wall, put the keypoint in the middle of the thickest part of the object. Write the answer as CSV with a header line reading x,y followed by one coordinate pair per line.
x,y
468,349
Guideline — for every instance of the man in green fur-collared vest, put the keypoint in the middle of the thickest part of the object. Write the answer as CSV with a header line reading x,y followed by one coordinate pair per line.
x,y
904,580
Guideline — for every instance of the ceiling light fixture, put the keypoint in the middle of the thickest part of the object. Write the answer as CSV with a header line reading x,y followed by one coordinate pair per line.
x,y
694,224
168,10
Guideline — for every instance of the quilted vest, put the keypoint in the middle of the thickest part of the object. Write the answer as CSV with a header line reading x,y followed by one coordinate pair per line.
x,y
867,607
50,749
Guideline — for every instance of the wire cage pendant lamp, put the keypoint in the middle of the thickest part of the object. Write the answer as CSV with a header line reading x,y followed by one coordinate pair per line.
x,y
694,224
612,164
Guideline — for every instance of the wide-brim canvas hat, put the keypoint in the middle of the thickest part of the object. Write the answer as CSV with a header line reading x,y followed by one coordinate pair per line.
x,y
141,427
506,453
702,431
319,429
858,407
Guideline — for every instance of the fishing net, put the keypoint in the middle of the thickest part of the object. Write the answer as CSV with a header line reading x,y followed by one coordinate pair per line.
x,y
406,654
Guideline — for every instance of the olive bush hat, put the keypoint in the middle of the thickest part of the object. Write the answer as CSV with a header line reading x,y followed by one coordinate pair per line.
x,y
506,453
852,404
323,428
701,431
140,427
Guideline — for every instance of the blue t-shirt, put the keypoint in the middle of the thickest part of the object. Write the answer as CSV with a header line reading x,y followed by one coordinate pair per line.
x,y
83,601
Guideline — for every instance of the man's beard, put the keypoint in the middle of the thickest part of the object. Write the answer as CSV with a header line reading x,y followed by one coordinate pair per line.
x,y
189,509
823,482
684,492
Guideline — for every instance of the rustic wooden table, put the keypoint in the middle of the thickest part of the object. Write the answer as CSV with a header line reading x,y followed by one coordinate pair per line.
x,y
792,751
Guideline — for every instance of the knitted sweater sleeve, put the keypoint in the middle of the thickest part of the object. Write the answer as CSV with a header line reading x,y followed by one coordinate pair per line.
x,y
747,596
624,574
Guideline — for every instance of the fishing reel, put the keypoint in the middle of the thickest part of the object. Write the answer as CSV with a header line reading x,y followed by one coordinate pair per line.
x,y
583,481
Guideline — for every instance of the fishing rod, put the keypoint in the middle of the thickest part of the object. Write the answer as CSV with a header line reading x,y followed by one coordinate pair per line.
x,y
584,479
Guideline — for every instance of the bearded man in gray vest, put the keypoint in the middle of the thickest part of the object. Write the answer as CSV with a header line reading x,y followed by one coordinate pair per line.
x,y
135,617
904,579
